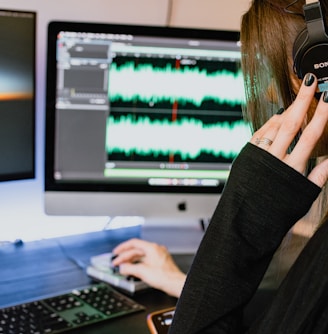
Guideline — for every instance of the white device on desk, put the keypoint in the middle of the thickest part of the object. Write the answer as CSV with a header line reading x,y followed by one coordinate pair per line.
x,y
100,269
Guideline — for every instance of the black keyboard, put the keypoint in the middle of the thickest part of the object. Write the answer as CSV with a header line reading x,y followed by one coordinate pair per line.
x,y
61,313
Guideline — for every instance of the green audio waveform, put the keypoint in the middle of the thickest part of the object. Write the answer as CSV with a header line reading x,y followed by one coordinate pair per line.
x,y
146,83
188,138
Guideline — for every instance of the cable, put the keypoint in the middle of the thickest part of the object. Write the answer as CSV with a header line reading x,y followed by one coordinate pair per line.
x,y
80,264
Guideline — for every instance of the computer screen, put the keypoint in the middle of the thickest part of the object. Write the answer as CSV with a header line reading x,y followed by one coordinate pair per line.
x,y
17,94
141,120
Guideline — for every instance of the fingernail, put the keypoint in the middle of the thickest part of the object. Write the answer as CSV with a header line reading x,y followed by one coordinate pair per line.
x,y
280,111
325,96
309,79
116,270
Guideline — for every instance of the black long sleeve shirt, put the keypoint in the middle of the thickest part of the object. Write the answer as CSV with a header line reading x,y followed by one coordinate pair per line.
x,y
262,200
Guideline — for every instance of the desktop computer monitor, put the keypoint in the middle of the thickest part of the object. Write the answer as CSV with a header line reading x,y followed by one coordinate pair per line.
x,y
141,120
17,94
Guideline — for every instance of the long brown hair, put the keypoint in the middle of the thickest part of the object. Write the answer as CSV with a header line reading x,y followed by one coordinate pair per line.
x,y
268,31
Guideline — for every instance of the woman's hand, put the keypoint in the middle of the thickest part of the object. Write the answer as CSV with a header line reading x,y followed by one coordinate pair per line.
x,y
277,134
150,262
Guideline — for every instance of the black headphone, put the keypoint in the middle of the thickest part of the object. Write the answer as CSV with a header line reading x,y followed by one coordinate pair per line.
x,y
310,50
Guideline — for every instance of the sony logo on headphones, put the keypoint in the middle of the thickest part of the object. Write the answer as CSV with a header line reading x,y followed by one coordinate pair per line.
x,y
320,65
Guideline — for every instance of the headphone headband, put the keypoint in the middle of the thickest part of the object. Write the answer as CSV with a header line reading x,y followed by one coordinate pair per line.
x,y
314,21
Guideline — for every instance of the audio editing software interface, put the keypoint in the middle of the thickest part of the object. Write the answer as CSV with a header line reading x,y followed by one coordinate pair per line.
x,y
160,111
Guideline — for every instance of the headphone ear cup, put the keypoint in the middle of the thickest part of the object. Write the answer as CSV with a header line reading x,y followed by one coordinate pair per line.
x,y
310,49
299,47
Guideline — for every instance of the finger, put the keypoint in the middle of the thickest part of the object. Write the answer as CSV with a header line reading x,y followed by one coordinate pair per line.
x,y
267,135
294,117
123,246
310,135
129,244
130,255
274,122
136,270
319,175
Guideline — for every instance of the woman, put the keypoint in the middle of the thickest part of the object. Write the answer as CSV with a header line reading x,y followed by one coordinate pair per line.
x,y
272,185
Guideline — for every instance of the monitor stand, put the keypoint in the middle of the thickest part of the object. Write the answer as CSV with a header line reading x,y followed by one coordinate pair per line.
x,y
180,237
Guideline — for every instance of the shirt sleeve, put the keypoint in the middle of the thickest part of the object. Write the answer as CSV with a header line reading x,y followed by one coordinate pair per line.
x,y
262,199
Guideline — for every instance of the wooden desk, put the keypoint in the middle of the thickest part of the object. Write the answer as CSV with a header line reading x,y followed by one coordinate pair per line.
x,y
45,267
40,268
